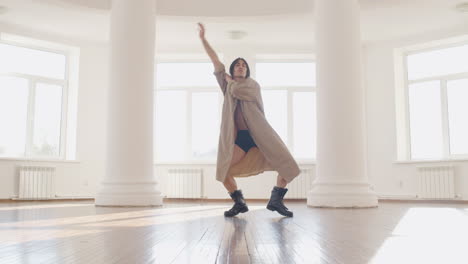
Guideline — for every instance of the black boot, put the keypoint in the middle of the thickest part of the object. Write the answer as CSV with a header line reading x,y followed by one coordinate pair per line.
x,y
239,204
276,202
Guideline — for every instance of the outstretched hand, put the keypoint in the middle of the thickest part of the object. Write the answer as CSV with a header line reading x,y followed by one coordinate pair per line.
x,y
201,29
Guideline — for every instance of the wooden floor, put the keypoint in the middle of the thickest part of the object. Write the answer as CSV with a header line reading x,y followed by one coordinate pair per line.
x,y
190,232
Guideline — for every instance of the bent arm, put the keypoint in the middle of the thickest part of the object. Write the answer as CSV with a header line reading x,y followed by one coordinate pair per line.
x,y
247,90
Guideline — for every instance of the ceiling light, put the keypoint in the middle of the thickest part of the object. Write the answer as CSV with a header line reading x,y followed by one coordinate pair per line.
x,y
462,7
3,10
237,34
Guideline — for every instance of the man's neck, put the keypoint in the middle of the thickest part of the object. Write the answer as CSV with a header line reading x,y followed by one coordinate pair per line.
x,y
239,78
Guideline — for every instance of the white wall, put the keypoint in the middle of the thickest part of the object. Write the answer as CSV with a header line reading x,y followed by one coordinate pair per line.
x,y
74,178
392,179
80,178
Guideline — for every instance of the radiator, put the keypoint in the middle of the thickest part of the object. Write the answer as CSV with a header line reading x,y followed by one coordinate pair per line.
x,y
184,183
36,182
436,182
301,185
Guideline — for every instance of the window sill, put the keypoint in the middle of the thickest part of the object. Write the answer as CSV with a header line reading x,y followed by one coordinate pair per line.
x,y
429,161
300,162
39,160
166,163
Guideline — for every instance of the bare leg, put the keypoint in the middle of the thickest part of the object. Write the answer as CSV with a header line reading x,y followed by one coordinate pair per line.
x,y
230,183
239,203
280,182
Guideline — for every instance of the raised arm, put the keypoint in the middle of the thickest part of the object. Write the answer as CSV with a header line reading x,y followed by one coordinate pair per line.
x,y
218,65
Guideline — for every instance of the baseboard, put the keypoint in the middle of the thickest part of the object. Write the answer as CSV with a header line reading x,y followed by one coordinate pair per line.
x,y
454,201
56,198
223,200
397,197
414,199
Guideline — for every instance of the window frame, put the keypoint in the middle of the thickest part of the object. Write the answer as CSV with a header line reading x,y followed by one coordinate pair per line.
x,y
289,58
190,90
259,58
32,81
402,84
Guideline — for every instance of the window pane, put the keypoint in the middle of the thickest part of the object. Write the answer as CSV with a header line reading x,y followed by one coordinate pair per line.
x,y
30,61
47,119
285,74
185,74
170,125
458,115
425,120
205,125
276,111
13,116
304,119
438,62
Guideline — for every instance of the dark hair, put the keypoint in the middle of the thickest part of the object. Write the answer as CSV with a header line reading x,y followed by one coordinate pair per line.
x,y
231,68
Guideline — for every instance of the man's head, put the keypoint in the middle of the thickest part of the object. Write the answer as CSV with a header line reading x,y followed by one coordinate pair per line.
x,y
239,68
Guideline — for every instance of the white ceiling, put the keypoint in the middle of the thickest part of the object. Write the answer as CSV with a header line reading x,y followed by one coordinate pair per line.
x,y
265,21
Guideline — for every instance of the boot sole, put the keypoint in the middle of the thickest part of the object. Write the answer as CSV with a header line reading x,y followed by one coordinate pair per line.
x,y
271,208
246,209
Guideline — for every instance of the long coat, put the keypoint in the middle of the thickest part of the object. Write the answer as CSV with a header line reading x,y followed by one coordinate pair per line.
x,y
271,154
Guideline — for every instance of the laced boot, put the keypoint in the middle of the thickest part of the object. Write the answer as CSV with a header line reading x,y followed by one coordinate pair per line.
x,y
276,202
239,204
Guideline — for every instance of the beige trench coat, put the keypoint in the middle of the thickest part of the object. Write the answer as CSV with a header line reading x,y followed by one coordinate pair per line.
x,y
271,154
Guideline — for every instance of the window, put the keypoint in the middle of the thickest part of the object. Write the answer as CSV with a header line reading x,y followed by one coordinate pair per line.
x,y
187,112
436,87
304,125
188,109
276,111
286,74
425,120
14,94
205,125
185,75
457,96
32,87
288,90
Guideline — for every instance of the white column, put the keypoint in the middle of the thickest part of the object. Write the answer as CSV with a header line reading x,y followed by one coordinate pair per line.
x,y
341,174
129,179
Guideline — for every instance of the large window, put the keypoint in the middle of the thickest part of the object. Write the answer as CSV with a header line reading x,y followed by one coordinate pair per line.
x,y
188,109
437,92
187,112
32,85
288,90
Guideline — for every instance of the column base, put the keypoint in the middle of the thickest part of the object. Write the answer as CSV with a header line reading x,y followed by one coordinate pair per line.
x,y
342,195
128,194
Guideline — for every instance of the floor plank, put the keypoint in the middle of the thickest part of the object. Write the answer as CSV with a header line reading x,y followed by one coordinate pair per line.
x,y
197,232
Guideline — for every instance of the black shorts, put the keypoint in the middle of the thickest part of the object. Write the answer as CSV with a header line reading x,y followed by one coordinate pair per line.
x,y
244,140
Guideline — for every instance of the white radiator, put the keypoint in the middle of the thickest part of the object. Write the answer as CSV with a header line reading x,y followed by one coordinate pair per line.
x,y
184,183
436,182
36,182
301,185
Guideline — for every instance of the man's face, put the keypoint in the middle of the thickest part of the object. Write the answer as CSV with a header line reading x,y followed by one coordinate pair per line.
x,y
240,69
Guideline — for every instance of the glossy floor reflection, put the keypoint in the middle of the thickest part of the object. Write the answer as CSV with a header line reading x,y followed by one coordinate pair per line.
x,y
193,232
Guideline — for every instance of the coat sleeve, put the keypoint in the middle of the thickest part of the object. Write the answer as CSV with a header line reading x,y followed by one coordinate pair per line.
x,y
247,90
221,78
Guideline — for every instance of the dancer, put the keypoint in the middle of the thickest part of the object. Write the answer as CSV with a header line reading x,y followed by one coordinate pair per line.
x,y
248,145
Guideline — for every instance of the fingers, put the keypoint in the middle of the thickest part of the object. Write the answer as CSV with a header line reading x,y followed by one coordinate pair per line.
x,y
201,30
201,26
